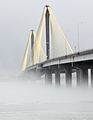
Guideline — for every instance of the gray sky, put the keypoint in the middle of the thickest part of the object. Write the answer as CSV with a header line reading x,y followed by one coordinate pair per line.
x,y
17,17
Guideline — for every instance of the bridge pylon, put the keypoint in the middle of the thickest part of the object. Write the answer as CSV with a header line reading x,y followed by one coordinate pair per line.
x,y
28,58
47,20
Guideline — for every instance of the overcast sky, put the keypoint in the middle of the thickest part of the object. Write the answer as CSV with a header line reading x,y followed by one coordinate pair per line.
x,y
18,17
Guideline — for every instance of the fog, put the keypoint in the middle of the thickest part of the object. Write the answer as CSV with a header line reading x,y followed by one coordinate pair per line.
x,y
20,91
23,98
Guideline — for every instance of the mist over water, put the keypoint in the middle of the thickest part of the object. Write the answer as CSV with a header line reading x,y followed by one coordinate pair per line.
x,y
24,99
16,89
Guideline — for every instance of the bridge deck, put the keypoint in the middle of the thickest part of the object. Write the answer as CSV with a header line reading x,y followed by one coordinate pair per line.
x,y
76,57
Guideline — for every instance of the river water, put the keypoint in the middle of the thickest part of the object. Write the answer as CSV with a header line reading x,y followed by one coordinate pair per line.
x,y
26,100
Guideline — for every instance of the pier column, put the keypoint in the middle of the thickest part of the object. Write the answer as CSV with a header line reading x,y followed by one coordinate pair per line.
x,y
82,77
48,77
85,77
92,77
68,76
79,76
57,78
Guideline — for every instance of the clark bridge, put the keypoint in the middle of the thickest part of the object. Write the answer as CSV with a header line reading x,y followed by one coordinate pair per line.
x,y
48,53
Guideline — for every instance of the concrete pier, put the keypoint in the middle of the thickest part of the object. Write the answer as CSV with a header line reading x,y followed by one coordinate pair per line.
x,y
68,72
82,77
85,77
57,78
92,77
48,77
78,72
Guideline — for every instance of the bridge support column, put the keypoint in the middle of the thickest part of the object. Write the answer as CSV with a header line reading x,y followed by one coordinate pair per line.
x,y
92,77
57,78
48,77
68,76
85,77
82,77
79,76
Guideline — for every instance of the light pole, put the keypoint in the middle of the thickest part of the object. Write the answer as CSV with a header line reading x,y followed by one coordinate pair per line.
x,y
78,34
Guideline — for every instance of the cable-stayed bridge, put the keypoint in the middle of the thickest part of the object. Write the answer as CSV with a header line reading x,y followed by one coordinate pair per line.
x,y
49,52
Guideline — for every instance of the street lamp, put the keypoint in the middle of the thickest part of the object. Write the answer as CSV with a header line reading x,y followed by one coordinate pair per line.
x,y
78,33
